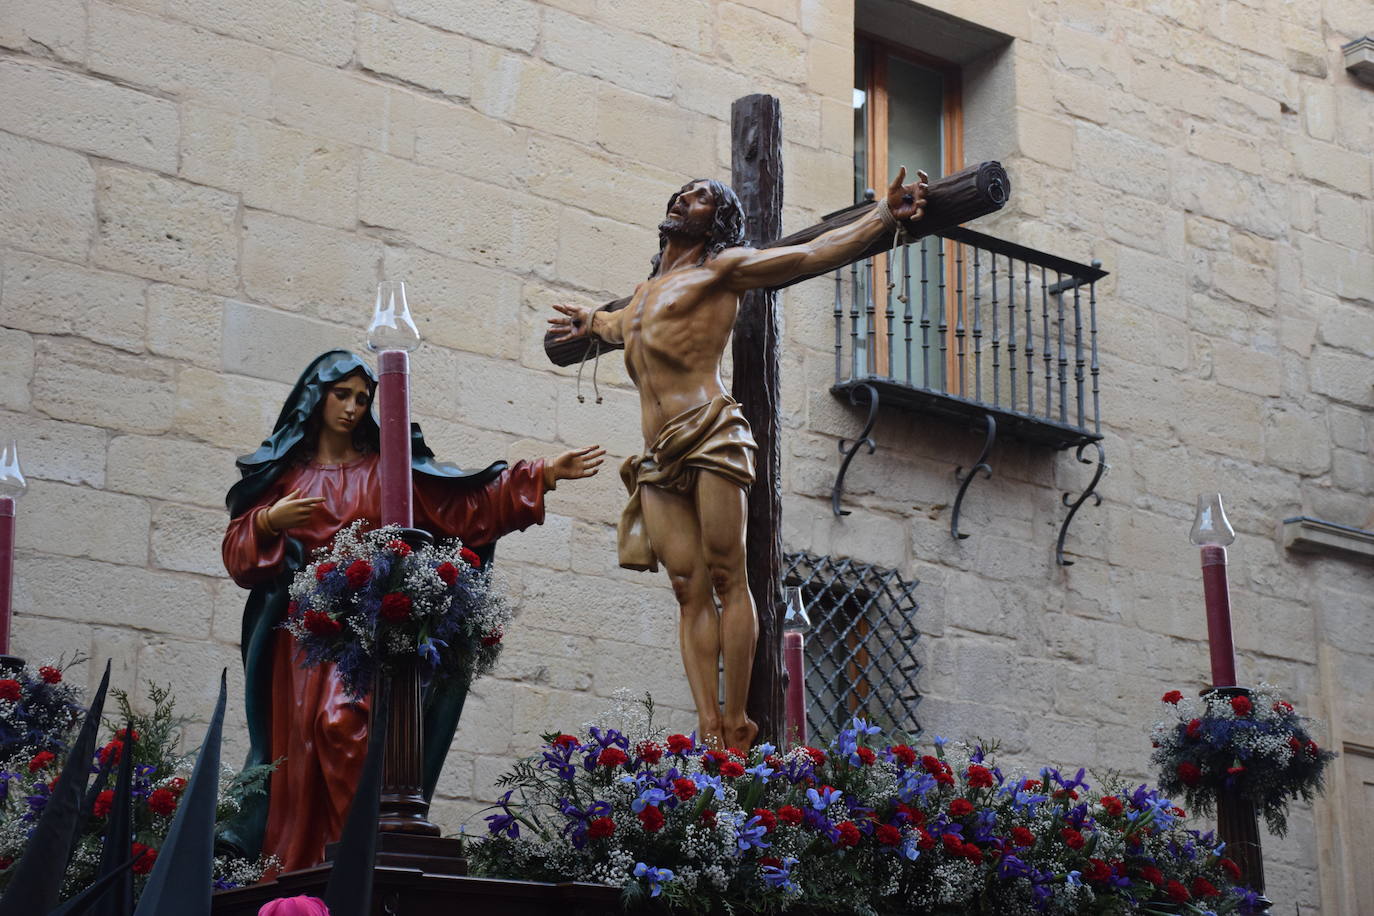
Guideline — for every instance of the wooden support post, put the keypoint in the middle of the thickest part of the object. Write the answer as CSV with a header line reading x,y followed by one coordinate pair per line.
x,y
756,175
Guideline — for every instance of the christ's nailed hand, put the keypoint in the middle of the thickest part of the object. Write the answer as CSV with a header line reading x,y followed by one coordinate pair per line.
x,y
574,322
574,465
908,201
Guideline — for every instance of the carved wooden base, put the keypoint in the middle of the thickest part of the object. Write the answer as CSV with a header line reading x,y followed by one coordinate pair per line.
x,y
432,854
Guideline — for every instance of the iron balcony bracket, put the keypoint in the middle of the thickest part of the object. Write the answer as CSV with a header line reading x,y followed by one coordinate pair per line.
x,y
1102,468
966,479
849,451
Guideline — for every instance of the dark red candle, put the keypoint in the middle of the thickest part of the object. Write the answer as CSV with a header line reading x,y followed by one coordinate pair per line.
x,y
393,407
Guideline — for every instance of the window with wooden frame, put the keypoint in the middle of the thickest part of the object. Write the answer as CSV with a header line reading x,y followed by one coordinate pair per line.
x,y
908,111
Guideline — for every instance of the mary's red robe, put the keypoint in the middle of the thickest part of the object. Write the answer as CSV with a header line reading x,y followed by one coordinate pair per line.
x,y
320,732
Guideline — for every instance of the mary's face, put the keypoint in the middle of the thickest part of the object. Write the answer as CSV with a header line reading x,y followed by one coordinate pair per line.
x,y
346,403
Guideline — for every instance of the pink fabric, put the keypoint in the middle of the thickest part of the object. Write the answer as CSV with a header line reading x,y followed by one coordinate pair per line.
x,y
295,906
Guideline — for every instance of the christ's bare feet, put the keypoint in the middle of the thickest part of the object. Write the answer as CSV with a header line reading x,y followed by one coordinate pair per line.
x,y
742,736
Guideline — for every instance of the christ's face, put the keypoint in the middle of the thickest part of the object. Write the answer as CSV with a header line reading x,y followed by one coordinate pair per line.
x,y
345,404
691,211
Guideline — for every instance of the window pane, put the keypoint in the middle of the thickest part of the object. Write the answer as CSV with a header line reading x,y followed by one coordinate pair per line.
x,y
862,93
915,109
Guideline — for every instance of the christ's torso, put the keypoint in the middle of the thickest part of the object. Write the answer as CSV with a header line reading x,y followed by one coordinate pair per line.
x,y
676,327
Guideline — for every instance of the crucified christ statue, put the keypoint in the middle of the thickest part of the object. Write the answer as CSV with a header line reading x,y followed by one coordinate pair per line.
x,y
688,490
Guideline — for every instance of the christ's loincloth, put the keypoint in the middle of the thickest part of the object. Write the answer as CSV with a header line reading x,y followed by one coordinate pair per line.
x,y
714,437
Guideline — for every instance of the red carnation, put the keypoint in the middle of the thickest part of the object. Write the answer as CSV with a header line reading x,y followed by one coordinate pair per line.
x,y
979,777
684,788
1173,696
1153,875
177,784
816,754
493,638
849,834
651,819
323,570
9,689
1241,705
1204,888
447,572
931,764
1030,785
110,753
905,755
972,853
1176,892
1072,838
470,558
1283,707
649,752
1312,749
103,801
600,828
1098,872
395,606
1022,836
125,734
770,862
566,741
866,755
40,760
398,547
144,857
1231,868
714,756
1112,805
887,835
708,817
318,623
767,819
6,862
50,674
1194,728
358,572
679,744
952,843
944,779
732,769
960,807
1190,773
163,802
790,815
612,757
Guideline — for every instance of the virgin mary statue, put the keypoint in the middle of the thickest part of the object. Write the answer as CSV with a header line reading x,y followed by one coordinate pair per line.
x,y
315,474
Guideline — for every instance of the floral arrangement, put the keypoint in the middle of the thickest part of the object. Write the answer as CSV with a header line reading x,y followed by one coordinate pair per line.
x,y
1252,741
369,598
160,777
863,826
38,710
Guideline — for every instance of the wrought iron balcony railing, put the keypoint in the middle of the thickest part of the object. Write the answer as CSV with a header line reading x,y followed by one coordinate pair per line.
x,y
974,329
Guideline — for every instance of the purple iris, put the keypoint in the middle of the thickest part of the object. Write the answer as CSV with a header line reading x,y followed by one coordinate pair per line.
x,y
780,876
504,822
750,836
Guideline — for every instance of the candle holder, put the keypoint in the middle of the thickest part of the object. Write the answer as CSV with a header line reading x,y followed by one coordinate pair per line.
x,y
795,623
12,487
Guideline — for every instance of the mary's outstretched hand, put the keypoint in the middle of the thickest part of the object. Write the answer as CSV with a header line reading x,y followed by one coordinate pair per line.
x,y
574,465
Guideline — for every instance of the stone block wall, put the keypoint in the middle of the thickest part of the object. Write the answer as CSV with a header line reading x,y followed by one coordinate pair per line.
x,y
197,197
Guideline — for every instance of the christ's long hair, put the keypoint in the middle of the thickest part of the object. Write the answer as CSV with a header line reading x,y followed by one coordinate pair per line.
x,y
726,229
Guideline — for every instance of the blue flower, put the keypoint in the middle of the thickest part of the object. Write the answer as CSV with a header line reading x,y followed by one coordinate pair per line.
x,y
780,876
1072,879
649,797
656,877
940,742
820,800
763,772
751,835
765,749
504,822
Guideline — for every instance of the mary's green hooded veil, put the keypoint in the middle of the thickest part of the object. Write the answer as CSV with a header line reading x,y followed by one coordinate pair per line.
x,y
266,607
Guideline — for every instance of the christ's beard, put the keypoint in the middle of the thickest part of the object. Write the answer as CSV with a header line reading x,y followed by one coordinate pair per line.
x,y
678,227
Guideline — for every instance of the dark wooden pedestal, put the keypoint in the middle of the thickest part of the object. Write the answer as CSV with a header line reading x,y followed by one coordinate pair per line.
x,y
413,892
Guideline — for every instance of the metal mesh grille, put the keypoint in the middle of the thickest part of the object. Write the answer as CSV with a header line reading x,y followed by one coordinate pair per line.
x,y
861,649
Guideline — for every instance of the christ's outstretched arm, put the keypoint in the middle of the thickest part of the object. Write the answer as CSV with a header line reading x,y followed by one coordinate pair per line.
x,y
752,268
